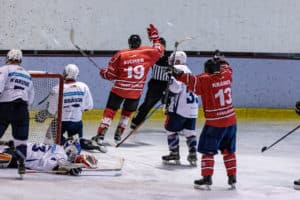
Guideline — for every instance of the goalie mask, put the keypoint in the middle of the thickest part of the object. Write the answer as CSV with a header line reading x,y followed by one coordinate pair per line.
x,y
180,58
72,148
71,72
14,55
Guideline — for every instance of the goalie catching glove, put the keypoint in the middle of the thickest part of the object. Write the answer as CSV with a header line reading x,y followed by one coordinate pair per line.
x,y
41,116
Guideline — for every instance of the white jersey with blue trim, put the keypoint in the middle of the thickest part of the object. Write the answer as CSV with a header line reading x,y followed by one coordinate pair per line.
x,y
44,157
76,99
183,102
15,83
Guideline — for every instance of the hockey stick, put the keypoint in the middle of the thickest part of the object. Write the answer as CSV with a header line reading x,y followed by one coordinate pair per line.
x,y
65,172
136,128
170,80
266,148
43,100
80,50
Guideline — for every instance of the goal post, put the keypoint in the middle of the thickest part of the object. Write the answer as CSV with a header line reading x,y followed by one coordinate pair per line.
x,y
43,83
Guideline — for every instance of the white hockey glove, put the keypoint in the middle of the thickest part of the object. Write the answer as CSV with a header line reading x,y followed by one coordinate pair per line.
x,y
41,116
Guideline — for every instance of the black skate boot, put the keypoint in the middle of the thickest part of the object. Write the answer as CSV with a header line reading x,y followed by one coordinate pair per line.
x,y
172,158
232,181
297,184
99,141
118,134
192,158
203,183
21,168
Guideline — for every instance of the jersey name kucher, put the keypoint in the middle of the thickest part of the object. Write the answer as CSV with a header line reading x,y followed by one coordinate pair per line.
x,y
215,91
15,83
76,99
129,69
183,102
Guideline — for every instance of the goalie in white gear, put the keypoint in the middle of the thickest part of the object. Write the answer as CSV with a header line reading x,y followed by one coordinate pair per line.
x,y
182,112
44,157
16,93
77,98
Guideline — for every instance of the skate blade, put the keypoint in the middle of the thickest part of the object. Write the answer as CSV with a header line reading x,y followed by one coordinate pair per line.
x,y
202,187
102,148
232,187
21,177
171,162
193,163
297,187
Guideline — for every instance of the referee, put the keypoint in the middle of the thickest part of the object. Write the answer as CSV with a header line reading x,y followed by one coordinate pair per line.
x,y
156,87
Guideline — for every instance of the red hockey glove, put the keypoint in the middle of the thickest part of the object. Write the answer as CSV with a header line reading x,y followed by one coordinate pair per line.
x,y
152,32
89,161
102,73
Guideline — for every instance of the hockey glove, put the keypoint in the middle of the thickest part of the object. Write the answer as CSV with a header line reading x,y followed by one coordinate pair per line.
x,y
297,107
41,116
152,32
89,161
102,73
172,71
75,171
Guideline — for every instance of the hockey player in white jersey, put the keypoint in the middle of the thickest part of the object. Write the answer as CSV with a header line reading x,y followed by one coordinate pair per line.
x,y
182,112
44,157
16,94
77,98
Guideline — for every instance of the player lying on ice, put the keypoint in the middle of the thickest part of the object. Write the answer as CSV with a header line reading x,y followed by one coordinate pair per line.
x,y
66,159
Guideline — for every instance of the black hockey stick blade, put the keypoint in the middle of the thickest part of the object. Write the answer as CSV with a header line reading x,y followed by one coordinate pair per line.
x,y
264,149
277,141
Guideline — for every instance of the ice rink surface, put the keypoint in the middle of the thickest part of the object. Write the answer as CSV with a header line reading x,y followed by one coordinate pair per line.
x,y
267,175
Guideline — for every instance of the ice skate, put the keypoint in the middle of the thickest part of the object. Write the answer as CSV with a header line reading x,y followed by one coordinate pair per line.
x,y
172,159
192,158
118,134
232,181
99,141
204,183
297,184
21,168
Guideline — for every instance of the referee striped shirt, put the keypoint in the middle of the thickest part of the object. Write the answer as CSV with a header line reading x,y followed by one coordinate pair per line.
x,y
159,72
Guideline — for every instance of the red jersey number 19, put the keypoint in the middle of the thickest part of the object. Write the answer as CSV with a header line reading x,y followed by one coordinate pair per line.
x,y
136,72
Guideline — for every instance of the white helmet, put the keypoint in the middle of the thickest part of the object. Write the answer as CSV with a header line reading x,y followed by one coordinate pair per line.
x,y
14,55
71,71
180,58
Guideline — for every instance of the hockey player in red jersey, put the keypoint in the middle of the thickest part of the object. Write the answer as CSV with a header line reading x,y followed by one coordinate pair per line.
x,y
128,69
219,131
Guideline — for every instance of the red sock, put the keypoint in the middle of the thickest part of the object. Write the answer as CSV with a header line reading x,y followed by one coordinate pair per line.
x,y
207,165
230,163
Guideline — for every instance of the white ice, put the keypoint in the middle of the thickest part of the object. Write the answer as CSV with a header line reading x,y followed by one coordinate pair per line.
x,y
267,175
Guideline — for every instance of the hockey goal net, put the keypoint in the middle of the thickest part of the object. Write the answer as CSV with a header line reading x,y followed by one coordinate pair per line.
x,y
43,83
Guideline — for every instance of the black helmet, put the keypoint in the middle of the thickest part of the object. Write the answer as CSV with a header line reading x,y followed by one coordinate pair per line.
x,y
211,66
219,57
134,41
162,41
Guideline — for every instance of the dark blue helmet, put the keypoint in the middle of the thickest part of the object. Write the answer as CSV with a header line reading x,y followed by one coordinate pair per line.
x,y
134,41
